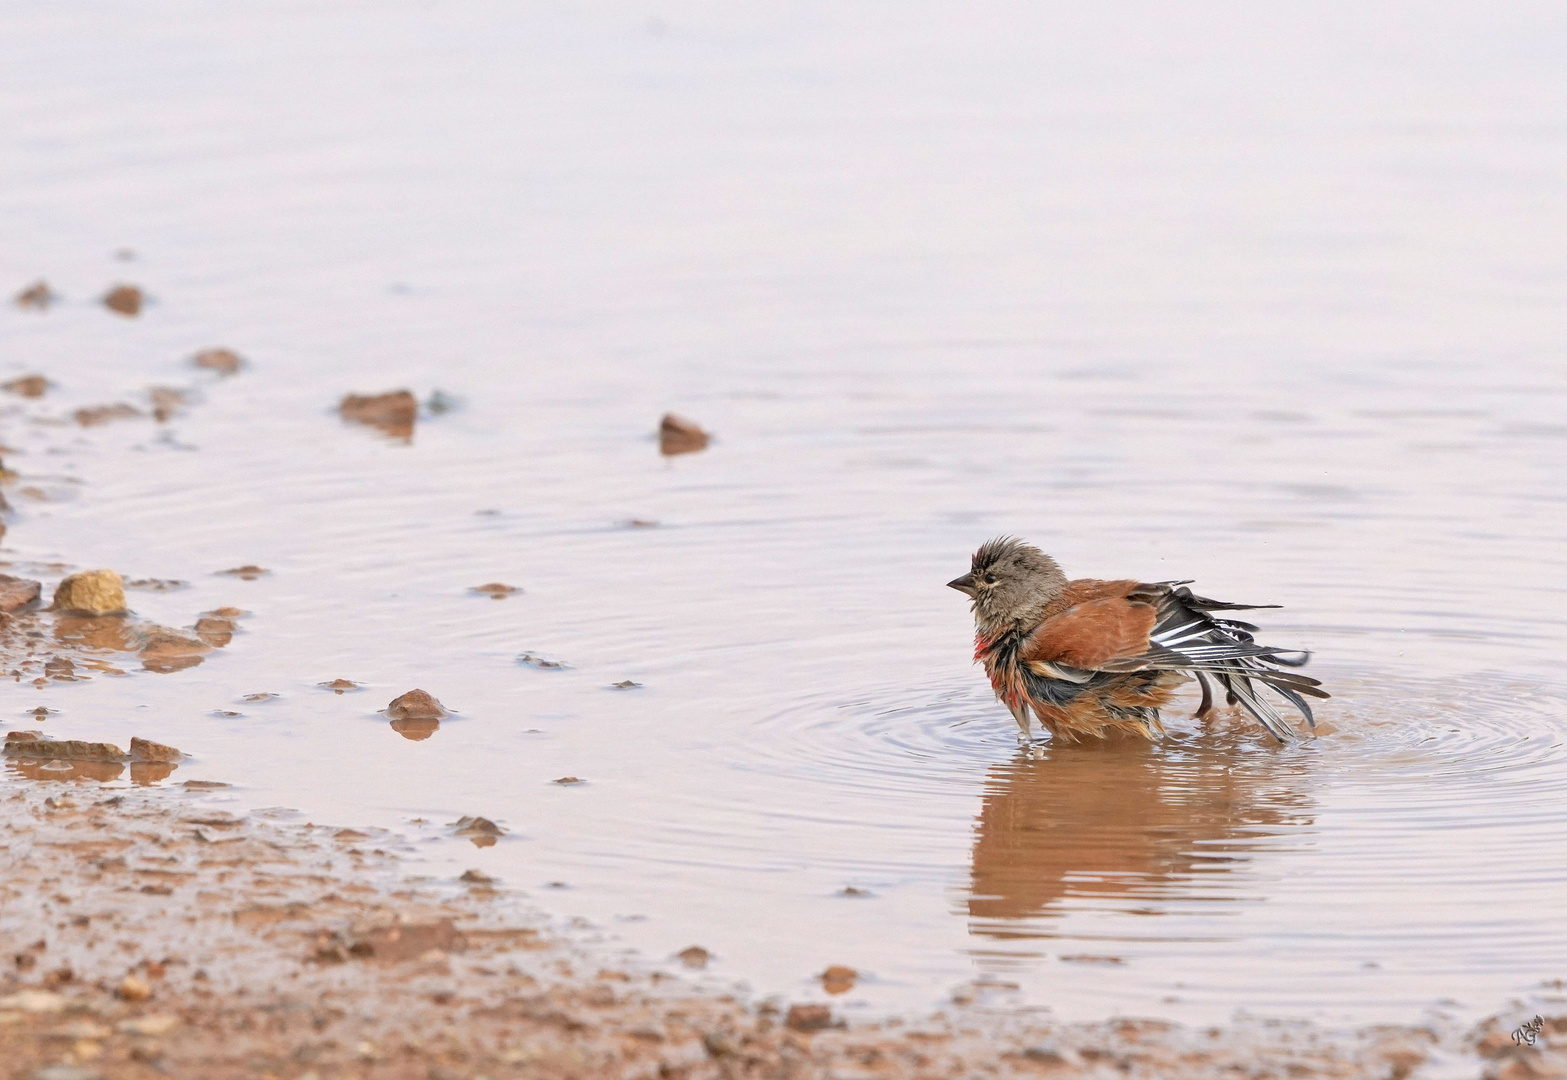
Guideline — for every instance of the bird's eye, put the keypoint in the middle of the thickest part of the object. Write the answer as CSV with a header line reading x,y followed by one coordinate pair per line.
x,y
989,579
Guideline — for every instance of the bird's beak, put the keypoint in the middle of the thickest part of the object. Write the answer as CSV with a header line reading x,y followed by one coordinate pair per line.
x,y
964,584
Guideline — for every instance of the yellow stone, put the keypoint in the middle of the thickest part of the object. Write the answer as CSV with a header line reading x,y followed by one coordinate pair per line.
x,y
91,592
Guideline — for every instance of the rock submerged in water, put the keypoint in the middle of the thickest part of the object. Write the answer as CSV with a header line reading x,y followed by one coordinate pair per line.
x,y
124,300
38,296
223,361
91,592
393,413
677,435
482,831
17,593
416,705
28,386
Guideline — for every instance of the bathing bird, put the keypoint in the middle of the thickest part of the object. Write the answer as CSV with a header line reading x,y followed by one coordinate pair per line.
x,y
1094,659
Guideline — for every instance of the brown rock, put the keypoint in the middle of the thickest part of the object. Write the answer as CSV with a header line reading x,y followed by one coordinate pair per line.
x,y
393,413
93,415
17,593
64,750
694,956
835,980
248,572
416,705
476,877
339,686
91,592
677,435
38,295
569,780
214,631
495,590
166,400
133,989
482,831
30,386
809,1017
124,300
147,750
223,361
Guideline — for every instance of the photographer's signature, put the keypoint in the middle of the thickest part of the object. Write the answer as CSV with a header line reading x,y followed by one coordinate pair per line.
x,y
1529,1031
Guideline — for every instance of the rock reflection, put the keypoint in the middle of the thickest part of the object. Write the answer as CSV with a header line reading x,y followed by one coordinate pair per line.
x,y
1121,822
54,769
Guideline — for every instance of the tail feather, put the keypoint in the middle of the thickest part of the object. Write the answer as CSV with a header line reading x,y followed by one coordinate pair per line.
x,y
1187,638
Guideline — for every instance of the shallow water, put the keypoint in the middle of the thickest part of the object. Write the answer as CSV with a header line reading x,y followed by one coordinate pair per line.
x,y
1271,301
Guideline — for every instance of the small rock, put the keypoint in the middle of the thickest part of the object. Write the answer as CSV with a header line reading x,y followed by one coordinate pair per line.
x,y
248,572
416,705
539,662
164,650
808,1018
63,749
17,593
166,400
851,891
339,686
677,435
694,957
91,592
568,780
625,684
38,295
124,300
482,831
495,590
642,523
24,736
476,877
223,361
839,979
215,632
393,413
29,386
205,785
147,750
62,668
93,415
133,989
152,584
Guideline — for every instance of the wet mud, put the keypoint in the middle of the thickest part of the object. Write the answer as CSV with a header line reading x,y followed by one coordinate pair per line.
x,y
149,933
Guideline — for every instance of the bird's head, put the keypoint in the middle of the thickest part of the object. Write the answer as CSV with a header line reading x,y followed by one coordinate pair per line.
x,y
1010,583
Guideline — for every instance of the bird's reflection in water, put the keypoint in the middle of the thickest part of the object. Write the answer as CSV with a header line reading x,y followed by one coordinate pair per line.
x,y
1125,826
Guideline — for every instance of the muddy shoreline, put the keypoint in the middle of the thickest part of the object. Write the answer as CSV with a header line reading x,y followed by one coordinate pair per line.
x,y
147,934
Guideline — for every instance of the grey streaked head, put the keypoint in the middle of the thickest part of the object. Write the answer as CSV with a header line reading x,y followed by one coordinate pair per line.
x,y
1011,583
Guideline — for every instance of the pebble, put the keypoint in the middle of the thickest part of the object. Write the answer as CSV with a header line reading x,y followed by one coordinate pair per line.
x,y
495,590
694,956
37,295
17,593
677,435
91,592
124,300
416,705
808,1018
223,361
29,386
839,979
93,415
133,989
147,750
393,413
482,831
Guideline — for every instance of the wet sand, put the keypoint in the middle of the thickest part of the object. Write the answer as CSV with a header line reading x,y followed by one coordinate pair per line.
x,y
148,935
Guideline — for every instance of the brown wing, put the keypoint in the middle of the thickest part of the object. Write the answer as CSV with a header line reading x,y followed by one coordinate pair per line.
x,y
1107,620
